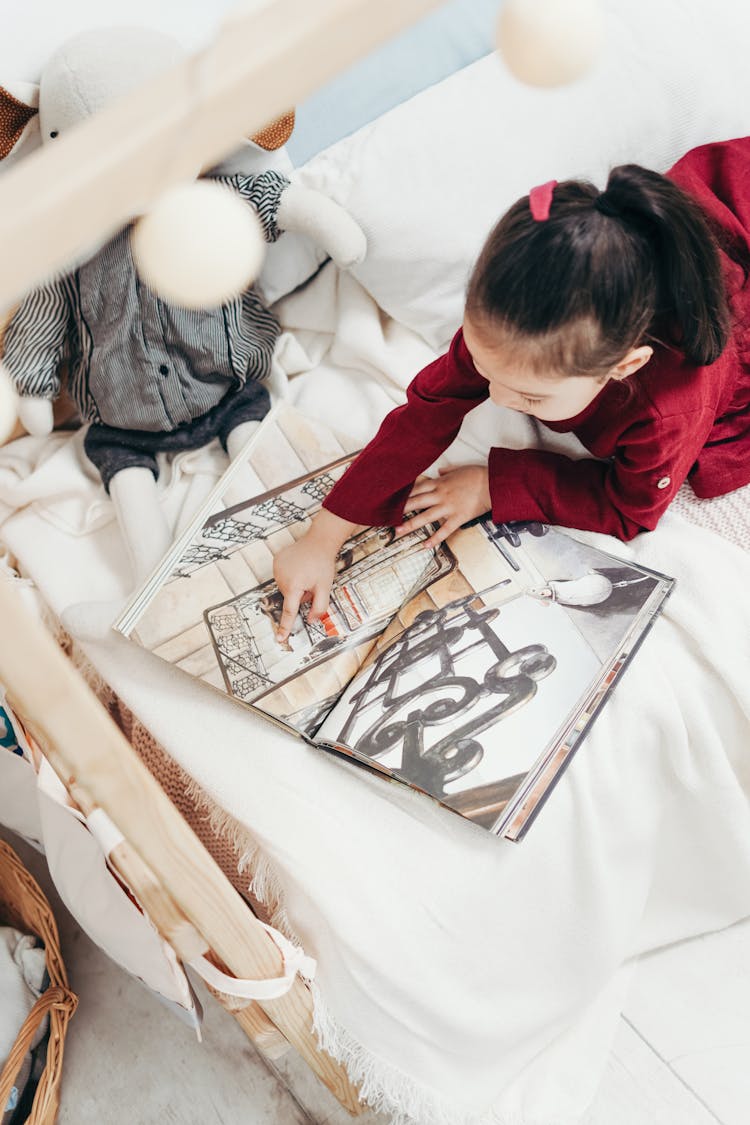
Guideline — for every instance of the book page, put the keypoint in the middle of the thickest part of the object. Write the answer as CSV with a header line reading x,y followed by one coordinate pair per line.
x,y
215,609
471,671
480,678
300,679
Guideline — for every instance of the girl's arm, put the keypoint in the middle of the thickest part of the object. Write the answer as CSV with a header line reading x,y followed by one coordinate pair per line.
x,y
308,566
622,496
375,488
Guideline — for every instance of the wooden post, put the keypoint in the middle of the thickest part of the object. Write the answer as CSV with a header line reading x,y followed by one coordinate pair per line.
x,y
78,191
91,756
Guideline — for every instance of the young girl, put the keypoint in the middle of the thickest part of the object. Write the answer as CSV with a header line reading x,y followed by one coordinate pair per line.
x,y
620,316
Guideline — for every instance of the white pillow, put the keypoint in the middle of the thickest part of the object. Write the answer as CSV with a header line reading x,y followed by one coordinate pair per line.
x,y
429,179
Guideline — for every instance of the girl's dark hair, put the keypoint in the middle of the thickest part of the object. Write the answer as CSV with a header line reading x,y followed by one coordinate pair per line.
x,y
605,272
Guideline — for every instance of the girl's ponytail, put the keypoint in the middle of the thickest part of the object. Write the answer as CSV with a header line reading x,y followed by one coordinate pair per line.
x,y
691,303
604,272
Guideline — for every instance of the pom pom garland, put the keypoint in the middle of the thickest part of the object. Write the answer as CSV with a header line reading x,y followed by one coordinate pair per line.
x,y
199,246
549,42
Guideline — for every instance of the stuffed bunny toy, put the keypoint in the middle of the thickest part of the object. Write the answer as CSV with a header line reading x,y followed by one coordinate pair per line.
x,y
148,376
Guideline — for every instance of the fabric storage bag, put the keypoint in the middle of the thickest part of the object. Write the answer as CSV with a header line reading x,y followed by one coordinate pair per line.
x,y
23,906
35,804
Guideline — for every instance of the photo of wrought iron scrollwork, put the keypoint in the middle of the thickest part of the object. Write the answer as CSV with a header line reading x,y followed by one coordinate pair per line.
x,y
429,651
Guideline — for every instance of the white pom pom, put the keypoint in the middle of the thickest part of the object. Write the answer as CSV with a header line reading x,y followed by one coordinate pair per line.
x,y
8,405
549,42
200,246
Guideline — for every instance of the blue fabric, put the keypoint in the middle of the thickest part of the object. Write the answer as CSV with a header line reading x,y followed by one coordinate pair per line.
x,y
450,38
7,735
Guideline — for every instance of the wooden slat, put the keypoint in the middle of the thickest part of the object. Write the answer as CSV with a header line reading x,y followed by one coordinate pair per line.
x,y
71,194
174,927
86,749
264,1034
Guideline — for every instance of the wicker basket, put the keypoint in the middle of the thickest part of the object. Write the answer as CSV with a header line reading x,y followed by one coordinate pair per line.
x,y
23,905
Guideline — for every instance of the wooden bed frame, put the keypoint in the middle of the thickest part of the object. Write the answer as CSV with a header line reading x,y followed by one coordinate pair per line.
x,y
188,898
269,55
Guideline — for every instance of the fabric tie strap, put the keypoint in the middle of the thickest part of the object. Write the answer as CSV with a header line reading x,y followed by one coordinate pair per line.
x,y
540,200
295,961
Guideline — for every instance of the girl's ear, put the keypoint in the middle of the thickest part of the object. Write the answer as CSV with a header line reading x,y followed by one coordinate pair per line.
x,y
635,359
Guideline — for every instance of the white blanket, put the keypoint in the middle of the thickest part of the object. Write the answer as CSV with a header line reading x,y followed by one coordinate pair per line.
x,y
462,978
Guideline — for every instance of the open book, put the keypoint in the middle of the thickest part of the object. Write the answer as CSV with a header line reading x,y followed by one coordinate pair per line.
x,y
471,671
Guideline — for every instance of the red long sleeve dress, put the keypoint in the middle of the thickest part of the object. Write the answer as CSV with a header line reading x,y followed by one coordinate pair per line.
x,y
669,422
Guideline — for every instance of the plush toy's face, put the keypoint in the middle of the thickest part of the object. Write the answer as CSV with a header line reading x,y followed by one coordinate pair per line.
x,y
94,69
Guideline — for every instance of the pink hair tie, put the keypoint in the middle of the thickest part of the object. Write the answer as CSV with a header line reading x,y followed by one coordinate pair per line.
x,y
540,200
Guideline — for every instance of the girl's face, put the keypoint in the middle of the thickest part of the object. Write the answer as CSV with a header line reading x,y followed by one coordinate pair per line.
x,y
549,397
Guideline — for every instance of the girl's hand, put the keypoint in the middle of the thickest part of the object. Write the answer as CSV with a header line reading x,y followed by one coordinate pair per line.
x,y
455,497
309,567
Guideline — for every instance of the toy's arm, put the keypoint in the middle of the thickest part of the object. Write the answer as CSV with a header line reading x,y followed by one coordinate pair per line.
x,y
310,212
283,206
36,415
33,349
263,193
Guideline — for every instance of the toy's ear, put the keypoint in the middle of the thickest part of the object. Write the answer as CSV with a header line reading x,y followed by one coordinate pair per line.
x,y
276,134
15,115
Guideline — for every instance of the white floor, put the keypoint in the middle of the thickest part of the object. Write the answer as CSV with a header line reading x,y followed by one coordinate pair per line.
x,y
680,1057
